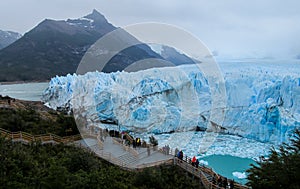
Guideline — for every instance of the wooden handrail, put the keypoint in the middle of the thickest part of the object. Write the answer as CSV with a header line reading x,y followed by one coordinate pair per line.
x,y
100,142
128,137
126,148
28,138
200,173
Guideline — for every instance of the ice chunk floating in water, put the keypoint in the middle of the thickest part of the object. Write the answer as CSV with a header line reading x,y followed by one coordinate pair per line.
x,y
263,101
239,175
203,162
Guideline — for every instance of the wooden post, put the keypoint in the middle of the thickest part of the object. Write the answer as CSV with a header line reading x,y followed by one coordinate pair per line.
x,y
186,164
21,136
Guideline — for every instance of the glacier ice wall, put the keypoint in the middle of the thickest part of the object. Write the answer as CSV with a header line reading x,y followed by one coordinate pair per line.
x,y
263,101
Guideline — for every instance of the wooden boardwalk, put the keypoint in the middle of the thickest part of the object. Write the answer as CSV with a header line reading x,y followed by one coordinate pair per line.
x,y
114,151
205,175
129,158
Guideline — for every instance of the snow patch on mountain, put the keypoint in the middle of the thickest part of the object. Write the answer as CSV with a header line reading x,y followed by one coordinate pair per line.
x,y
8,37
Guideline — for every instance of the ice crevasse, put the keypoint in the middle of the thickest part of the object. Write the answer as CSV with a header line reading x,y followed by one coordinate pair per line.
x,y
263,102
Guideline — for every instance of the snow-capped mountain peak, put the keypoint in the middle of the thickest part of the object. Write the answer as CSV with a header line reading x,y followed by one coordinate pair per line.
x,y
95,20
8,37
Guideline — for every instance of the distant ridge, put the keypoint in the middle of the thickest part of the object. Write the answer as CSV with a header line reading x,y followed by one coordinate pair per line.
x,y
8,37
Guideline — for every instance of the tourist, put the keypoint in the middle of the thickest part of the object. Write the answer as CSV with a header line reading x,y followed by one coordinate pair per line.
x,y
214,179
134,144
167,149
124,138
225,182
194,161
219,181
138,142
144,144
148,150
231,184
181,154
197,163
176,152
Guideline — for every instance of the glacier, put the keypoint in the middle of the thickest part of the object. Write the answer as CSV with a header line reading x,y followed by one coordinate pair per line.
x,y
263,99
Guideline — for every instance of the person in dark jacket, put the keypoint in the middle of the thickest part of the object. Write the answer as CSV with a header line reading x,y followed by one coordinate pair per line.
x,y
197,163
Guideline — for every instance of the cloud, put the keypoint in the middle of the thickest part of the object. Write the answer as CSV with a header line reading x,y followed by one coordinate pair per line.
x,y
232,27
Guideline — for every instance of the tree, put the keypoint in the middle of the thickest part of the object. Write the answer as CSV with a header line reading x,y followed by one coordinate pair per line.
x,y
281,170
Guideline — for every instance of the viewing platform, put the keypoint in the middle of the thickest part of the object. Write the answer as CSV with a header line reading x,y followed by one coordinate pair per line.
x,y
126,157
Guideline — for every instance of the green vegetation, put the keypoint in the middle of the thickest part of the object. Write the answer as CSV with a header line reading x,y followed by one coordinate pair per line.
x,y
281,170
37,122
64,166
60,166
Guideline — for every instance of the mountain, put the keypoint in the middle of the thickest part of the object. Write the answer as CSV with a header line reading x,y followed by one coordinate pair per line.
x,y
171,54
8,37
56,48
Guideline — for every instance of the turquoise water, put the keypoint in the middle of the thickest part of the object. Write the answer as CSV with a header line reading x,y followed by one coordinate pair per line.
x,y
225,165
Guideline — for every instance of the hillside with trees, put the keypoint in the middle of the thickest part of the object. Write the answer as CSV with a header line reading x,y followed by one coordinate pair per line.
x,y
61,166
67,166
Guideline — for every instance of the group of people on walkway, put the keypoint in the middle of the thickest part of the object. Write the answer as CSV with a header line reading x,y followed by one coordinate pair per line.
x,y
179,154
195,162
136,142
218,180
166,149
222,182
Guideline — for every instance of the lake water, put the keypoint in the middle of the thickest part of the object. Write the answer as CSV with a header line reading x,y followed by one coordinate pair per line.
x,y
24,91
225,165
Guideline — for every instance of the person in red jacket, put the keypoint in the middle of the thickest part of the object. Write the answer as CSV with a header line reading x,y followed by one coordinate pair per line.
x,y
194,161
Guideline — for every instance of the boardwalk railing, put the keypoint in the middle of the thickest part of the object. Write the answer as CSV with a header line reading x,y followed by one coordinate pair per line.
x,y
46,138
117,141
203,173
100,142
108,157
128,137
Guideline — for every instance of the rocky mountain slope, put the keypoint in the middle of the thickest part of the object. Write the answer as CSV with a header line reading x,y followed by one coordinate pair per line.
x,y
56,48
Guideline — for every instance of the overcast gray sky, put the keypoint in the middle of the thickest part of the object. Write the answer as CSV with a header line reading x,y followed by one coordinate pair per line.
x,y
235,28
